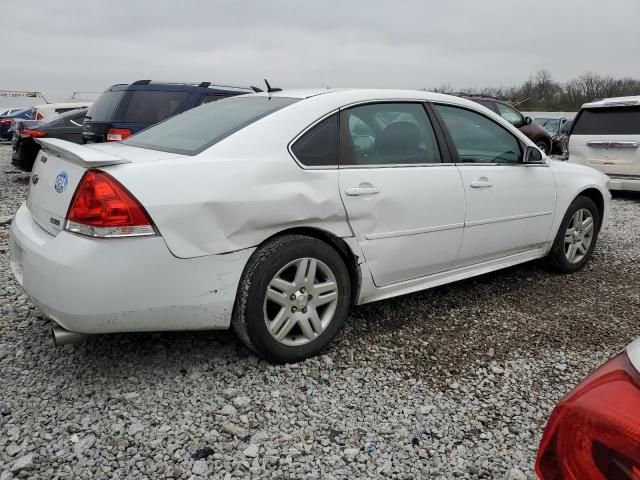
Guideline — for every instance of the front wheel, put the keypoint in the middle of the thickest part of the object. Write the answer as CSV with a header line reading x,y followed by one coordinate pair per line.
x,y
293,298
577,236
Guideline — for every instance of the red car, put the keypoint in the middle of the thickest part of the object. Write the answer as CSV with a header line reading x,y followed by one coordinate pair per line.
x,y
594,432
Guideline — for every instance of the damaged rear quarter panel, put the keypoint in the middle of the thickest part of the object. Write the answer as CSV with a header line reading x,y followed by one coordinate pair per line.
x,y
207,205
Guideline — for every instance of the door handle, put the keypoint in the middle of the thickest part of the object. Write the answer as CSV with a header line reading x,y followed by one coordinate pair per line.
x,y
363,189
482,182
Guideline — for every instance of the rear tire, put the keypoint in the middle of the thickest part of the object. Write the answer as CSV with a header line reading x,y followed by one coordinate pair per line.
x,y
293,298
576,237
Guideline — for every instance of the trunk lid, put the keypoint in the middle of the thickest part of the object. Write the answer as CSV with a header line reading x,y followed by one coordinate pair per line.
x,y
56,173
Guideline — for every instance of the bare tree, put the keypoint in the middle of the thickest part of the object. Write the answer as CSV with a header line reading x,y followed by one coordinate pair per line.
x,y
541,92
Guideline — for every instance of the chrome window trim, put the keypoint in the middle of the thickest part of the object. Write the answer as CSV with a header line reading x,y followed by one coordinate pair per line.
x,y
338,166
633,352
397,165
505,164
404,165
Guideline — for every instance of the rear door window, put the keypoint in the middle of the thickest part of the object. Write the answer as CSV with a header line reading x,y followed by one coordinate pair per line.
x,y
608,121
387,134
103,108
146,106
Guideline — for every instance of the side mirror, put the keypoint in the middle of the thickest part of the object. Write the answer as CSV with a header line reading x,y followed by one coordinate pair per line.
x,y
527,120
533,155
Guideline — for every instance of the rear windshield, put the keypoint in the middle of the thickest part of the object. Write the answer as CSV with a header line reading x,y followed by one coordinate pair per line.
x,y
197,129
102,109
148,106
608,121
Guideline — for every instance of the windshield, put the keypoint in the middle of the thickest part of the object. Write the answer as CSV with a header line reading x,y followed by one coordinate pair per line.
x,y
551,125
197,129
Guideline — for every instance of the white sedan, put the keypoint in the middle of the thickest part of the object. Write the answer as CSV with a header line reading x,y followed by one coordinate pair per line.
x,y
274,213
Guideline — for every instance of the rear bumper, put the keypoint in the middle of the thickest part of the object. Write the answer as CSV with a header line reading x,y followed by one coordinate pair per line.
x,y
624,183
121,285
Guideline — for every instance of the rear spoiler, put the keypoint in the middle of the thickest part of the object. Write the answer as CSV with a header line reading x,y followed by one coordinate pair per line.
x,y
79,154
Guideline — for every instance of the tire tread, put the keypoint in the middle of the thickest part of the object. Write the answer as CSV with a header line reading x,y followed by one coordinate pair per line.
x,y
251,272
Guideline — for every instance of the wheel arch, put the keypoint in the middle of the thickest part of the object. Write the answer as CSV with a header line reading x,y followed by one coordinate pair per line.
x,y
597,197
349,257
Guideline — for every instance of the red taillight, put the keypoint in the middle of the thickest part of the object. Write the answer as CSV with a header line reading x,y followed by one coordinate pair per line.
x,y
118,134
5,121
594,432
33,133
102,207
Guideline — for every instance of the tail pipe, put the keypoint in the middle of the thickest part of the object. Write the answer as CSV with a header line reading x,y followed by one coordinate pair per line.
x,y
62,336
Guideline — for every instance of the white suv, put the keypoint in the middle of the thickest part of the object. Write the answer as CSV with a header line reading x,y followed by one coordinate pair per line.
x,y
606,136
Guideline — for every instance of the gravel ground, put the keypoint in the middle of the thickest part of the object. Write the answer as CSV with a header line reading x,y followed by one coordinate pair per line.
x,y
452,382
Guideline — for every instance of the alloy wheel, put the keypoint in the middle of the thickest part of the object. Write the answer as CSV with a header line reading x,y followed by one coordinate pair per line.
x,y
579,235
300,301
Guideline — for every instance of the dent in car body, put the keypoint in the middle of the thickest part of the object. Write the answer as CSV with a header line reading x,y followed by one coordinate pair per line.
x,y
220,206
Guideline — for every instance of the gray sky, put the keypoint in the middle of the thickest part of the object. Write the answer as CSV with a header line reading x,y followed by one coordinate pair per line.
x,y
80,45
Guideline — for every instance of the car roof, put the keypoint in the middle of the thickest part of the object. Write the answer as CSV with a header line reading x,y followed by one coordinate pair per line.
x,y
352,95
178,86
478,97
614,102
